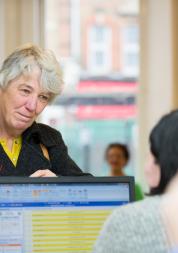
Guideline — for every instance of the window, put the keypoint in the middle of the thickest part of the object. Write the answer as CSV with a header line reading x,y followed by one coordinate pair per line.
x,y
132,59
130,50
99,50
99,33
131,34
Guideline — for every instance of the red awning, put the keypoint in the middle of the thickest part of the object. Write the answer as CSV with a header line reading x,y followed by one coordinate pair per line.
x,y
106,86
106,112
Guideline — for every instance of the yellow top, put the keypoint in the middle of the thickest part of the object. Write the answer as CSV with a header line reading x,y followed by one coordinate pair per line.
x,y
16,147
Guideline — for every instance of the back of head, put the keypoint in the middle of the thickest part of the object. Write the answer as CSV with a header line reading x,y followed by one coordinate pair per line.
x,y
23,61
164,147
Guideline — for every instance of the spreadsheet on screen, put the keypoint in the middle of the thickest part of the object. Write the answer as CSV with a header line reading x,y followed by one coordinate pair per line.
x,y
55,217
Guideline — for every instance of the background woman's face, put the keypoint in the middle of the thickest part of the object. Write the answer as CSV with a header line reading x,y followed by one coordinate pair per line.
x,y
115,158
22,101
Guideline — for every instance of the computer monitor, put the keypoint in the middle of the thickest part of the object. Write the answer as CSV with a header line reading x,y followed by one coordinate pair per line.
x,y
46,215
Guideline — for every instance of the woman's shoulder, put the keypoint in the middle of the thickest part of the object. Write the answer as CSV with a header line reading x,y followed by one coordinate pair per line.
x,y
46,128
146,209
49,135
135,226
139,219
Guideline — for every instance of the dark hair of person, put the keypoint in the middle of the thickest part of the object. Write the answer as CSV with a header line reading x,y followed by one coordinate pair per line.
x,y
164,147
120,146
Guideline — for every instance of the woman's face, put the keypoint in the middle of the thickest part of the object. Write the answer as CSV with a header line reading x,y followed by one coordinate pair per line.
x,y
115,158
22,101
152,172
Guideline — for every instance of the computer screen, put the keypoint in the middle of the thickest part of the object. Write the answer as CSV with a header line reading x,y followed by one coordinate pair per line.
x,y
56,215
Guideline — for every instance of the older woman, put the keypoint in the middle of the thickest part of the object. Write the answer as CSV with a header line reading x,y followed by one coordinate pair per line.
x,y
150,225
30,78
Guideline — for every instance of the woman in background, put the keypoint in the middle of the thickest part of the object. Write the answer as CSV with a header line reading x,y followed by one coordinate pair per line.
x,y
117,156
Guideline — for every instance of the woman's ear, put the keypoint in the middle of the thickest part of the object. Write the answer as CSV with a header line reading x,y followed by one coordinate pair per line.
x,y
152,172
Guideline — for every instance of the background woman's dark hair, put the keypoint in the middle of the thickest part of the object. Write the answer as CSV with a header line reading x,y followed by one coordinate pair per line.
x,y
119,146
164,147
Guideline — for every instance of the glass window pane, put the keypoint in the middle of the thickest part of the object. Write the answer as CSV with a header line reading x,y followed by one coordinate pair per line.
x,y
97,44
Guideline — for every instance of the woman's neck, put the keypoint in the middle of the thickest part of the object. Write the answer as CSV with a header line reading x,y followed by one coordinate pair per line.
x,y
117,173
9,133
8,138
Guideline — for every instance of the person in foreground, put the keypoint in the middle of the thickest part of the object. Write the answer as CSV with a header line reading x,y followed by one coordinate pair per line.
x,y
150,225
117,156
30,78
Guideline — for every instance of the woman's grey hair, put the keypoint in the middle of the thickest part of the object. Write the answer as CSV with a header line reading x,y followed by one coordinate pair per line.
x,y
25,59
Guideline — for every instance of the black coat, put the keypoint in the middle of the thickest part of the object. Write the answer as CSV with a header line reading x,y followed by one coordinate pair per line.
x,y
31,157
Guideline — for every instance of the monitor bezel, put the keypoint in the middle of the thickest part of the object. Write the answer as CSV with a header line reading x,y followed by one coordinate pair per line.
x,y
72,180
